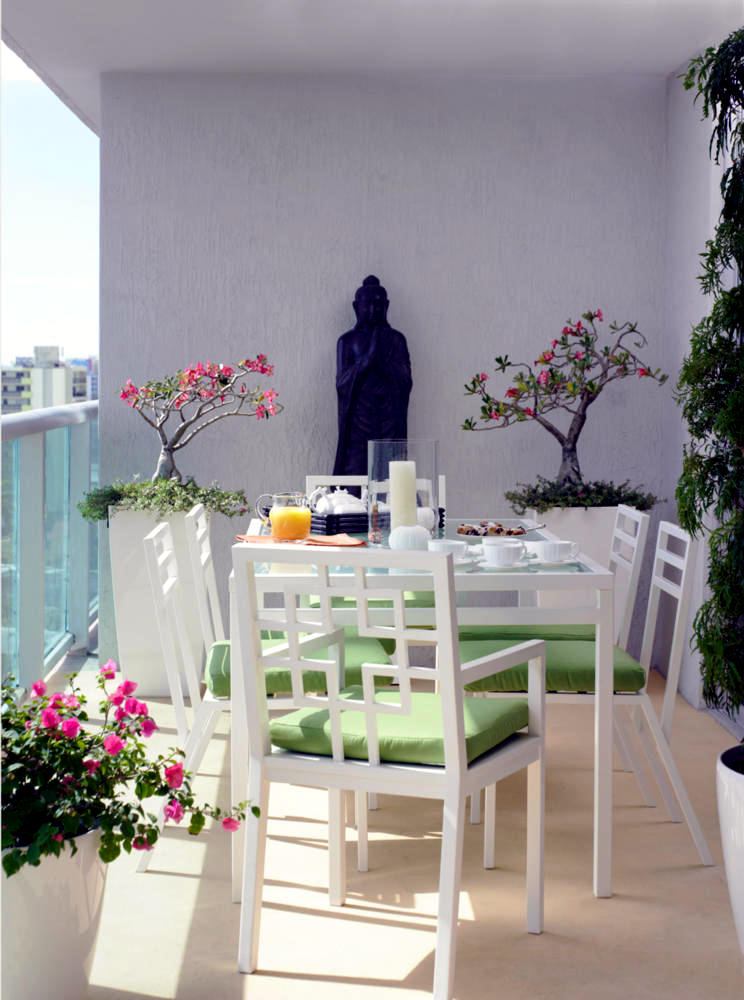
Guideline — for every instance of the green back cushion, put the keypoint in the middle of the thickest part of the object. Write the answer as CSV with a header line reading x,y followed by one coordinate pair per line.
x,y
569,666
405,739
521,633
358,650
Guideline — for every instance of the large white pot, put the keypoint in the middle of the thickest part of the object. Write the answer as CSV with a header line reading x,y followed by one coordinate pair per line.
x,y
50,922
591,528
730,786
137,633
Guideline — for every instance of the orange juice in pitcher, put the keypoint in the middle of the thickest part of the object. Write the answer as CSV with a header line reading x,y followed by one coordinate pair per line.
x,y
289,516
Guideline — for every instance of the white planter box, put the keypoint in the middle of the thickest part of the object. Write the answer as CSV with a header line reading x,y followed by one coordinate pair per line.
x,y
591,528
138,636
730,785
50,922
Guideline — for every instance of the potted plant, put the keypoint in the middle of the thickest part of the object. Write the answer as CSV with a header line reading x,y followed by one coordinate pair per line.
x,y
568,376
73,798
177,407
710,389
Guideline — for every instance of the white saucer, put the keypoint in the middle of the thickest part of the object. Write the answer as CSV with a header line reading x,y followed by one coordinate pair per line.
x,y
520,564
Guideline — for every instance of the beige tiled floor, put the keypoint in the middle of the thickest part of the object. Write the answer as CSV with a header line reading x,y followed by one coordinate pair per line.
x,y
666,933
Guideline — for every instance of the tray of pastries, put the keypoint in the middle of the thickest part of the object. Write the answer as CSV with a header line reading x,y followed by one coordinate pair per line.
x,y
481,528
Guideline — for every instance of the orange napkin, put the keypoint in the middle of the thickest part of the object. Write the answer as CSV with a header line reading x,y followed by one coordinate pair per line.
x,y
342,539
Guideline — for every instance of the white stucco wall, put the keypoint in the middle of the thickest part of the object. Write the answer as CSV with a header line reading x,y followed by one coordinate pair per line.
x,y
240,213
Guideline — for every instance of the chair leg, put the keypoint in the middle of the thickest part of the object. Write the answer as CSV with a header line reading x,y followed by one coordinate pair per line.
x,y
665,753
336,848
238,791
536,846
621,743
475,807
634,761
362,832
489,828
453,833
201,733
652,756
372,800
253,872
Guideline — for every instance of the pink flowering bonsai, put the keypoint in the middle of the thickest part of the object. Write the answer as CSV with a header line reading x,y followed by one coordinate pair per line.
x,y
568,375
63,776
197,397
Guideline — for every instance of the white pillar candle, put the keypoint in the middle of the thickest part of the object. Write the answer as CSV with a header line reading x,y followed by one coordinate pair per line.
x,y
402,494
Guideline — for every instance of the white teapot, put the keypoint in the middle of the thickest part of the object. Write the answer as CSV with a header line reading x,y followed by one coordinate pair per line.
x,y
338,502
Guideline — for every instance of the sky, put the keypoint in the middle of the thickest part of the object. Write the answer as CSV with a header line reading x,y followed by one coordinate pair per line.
x,y
49,228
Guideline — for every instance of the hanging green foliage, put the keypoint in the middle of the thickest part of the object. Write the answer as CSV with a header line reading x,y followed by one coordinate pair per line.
x,y
710,390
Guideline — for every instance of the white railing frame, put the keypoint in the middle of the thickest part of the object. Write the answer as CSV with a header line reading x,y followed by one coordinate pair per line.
x,y
29,428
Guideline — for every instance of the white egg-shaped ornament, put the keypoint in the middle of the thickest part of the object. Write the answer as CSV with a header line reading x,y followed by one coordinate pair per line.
x,y
409,536
426,518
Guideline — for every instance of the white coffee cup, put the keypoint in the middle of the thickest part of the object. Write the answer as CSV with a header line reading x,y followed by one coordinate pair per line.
x,y
556,551
453,545
503,552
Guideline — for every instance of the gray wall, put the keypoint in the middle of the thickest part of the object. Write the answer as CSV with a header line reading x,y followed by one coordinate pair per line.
x,y
240,213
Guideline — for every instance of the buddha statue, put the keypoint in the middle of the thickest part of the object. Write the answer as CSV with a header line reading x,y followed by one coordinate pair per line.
x,y
373,380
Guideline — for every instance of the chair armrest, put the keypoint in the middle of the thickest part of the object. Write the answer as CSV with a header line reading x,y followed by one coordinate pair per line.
x,y
495,663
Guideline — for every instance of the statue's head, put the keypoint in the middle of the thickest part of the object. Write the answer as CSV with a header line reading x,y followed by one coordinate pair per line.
x,y
371,302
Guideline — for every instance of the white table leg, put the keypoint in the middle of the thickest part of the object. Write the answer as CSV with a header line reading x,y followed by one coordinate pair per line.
x,y
603,730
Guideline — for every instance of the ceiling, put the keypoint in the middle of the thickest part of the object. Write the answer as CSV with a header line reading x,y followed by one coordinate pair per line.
x,y
69,43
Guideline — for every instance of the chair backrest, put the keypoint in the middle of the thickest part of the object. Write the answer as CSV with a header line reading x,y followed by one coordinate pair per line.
x,y
162,569
627,546
672,574
327,574
313,482
196,524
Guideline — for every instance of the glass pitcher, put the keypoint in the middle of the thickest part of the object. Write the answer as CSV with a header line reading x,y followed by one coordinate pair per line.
x,y
289,515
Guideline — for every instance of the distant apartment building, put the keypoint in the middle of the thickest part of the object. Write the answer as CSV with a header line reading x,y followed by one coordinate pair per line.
x,y
46,380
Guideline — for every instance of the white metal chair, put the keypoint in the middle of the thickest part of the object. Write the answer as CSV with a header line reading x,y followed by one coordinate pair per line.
x,y
352,738
570,678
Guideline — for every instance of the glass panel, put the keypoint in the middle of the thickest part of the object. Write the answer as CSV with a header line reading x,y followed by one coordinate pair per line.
x,y
10,564
93,529
56,534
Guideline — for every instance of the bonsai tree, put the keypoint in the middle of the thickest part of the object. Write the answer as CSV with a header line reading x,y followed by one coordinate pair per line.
x,y
569,375
197,397
710,389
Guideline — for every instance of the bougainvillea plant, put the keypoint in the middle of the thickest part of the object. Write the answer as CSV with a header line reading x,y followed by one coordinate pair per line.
x,y
62,777
568,375
197,397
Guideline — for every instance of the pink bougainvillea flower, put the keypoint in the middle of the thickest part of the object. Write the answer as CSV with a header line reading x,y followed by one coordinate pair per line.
x,y
140,844
142,708
174,775
542,378
71,701
130,706
109,670
58,837
117,698
148,728
38,689
113,744
173,810
49,718
120,714
230,823
70,728
91,766
57,698
127,688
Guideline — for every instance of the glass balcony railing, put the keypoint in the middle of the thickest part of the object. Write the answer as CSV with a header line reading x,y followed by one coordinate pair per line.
x,y
49,554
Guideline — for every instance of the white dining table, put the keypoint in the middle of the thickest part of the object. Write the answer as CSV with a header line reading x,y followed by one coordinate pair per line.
x,y
592,585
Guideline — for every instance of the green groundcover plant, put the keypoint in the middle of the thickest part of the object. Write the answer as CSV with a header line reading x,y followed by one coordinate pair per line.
x,y
63,776
161,496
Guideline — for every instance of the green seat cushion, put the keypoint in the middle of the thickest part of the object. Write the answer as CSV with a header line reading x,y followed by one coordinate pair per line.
x,y
404,739
569,666
521,633
358,650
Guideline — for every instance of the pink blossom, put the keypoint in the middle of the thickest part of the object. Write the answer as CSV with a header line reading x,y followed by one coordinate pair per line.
x,y
58,837
38,689
117,698
49,718
260,412
142,708
148,728
542,378
127,688
494,415
174,775
57,698
545,357
529,412
130,706
70,728
483,377
554,344
566,330
120,714
642,372
512,393
599,315
579,355
113,744
230,823
109,670
579,327
140,844
71,701
91,766
174,811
